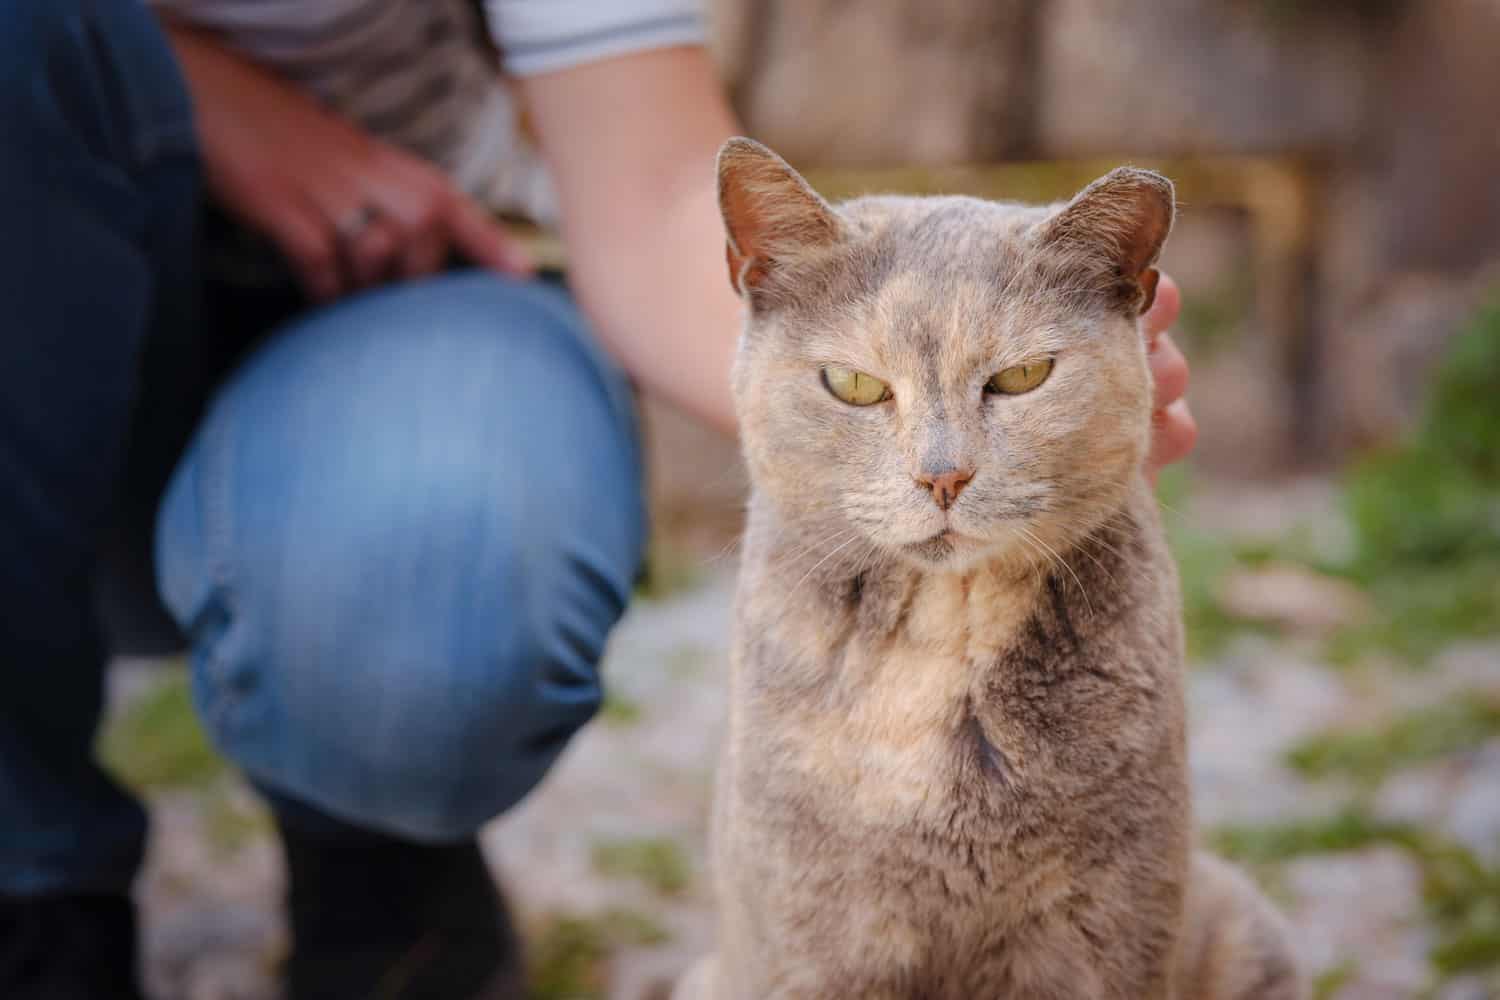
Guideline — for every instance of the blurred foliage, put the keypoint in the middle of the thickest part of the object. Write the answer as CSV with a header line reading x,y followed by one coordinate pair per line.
x,y
1424,518
689,660
569,955
1461,723
233,821
1211,321
1420,612
1460,891
670,570
1330,981
156,742
1203,558
657,861
568,961
1348,830
619,709
1426,515
623,926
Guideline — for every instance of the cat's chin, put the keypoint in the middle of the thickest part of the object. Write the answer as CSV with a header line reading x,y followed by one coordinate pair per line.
x,y
949,551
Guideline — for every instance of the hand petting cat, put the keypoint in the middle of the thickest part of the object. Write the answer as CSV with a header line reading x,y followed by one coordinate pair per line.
x,y
1173,430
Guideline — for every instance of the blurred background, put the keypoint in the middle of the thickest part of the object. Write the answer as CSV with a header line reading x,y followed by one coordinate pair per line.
x,y
1338,528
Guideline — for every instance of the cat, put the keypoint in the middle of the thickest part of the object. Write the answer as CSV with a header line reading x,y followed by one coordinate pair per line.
x,y
955,763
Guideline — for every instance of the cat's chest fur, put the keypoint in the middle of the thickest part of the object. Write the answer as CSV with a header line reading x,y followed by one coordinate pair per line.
x,y
898,713
944,759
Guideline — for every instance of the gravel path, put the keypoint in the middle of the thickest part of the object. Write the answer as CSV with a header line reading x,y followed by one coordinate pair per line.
x,y
607,861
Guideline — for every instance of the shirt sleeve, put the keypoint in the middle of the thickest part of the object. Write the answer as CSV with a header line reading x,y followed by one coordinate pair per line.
x,y
538,36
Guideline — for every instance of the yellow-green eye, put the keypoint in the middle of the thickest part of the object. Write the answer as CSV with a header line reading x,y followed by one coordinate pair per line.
x,y
1020,378
855,388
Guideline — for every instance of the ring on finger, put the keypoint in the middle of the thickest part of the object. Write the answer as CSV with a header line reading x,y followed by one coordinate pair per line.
x,y
352,223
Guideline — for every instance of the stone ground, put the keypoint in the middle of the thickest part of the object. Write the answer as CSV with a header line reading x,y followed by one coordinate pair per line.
x,y
607,859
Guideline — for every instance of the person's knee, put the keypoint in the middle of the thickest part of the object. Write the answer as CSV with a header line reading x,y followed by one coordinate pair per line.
x,y
402,624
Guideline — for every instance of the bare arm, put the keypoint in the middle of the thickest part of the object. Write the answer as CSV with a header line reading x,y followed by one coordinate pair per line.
x,y
631,144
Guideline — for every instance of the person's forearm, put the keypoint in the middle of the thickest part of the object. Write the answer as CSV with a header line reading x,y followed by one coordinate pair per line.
x,y
682,345
643,234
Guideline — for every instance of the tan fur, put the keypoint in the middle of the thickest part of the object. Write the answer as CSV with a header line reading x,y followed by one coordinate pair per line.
x,y
955,764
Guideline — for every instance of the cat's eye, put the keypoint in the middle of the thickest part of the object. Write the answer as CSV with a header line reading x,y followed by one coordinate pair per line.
x,y
855,387
1019,378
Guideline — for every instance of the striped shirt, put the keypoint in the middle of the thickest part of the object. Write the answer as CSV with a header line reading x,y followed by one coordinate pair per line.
x,y
417,73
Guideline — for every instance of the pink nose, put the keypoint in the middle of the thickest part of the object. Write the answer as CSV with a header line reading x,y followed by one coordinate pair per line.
x,y
945,486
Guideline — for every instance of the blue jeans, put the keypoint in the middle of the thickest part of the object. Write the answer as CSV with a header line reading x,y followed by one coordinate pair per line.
x,y
396,538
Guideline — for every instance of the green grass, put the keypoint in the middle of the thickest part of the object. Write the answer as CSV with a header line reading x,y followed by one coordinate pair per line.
x,y
1330,981
157,742
1203,560
568,960
657,861
1212,321
1421,610
1462,894
231,823
569,955
1370,754
1425,520
619,710
688,661
670,570
1460,891
1348,830
1426,514
624,926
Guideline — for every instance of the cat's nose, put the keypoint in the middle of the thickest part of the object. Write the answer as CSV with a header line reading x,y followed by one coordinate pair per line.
x,y
945,485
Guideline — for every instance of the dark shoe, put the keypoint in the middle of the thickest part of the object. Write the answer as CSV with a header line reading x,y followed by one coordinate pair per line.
x,y
67,948
373,916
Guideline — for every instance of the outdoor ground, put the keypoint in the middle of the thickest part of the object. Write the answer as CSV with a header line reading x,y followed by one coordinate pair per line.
x,y
1363,787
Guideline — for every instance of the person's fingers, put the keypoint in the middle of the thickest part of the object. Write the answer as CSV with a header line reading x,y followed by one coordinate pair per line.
x,y
485,241
1163,312
1173,434
1169,372
424,253
371,253
311,247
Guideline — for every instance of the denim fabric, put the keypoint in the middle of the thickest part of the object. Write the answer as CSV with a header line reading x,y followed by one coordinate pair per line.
x,y
397,540
98,188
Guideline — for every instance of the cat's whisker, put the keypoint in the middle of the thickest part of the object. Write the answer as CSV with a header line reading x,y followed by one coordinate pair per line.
x,y
724,552
1036,572
818,565
1102,568
1081,590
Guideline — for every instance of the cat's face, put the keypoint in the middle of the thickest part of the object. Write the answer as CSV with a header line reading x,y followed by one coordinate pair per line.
x,y
942,380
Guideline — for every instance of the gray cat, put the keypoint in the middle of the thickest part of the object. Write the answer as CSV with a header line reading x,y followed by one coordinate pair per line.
x,y
955,763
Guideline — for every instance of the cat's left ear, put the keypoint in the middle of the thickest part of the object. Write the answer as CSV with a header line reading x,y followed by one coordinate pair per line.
x,y
771,215
1116,227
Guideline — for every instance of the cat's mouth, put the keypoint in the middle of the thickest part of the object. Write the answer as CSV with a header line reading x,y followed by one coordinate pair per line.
x,y
940,546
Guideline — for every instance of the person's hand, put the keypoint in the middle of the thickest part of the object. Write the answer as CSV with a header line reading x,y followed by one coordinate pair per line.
x,y
1173,430
347,210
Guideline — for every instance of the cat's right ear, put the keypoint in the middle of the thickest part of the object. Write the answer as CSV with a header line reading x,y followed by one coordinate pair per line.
x,y
1114,229
771,215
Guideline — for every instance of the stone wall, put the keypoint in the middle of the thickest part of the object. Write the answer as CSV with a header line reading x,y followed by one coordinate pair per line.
x,y
1389,103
